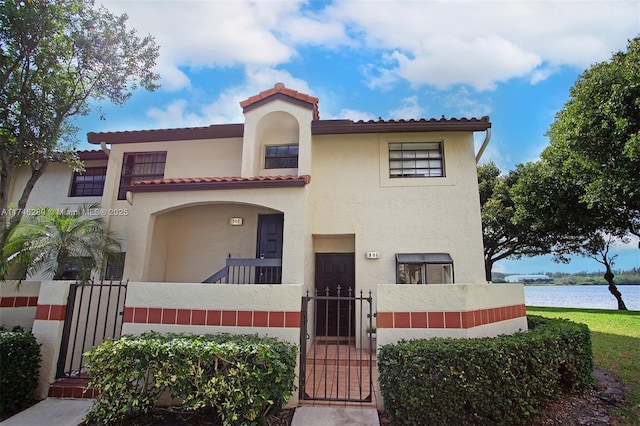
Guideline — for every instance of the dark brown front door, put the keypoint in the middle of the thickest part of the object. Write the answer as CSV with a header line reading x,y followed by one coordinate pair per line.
x,y
335,317
269,246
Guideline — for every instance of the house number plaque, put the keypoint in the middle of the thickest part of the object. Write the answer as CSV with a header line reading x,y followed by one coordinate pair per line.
x,y
235,221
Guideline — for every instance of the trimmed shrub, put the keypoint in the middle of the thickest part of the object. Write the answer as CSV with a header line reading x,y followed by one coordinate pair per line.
x,y
19,368
243,378
500,380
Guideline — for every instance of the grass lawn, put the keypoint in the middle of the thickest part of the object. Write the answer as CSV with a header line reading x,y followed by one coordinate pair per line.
x,y
615,337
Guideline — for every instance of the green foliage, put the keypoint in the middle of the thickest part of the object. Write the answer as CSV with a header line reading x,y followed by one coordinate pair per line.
x,y
19,369
241,377
54,240
595,139
616,349
55,57
504,236
500,381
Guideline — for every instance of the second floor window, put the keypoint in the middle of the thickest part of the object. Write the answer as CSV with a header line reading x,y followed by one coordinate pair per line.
x,y
137,166
416,159
281,157
89,183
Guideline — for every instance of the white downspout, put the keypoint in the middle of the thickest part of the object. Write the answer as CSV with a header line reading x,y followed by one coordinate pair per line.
x,y
487,137
103,147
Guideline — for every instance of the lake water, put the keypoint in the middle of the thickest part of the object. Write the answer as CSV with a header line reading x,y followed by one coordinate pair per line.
x,y
581,296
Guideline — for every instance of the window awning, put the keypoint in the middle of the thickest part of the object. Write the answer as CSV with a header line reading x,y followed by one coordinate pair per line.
x,y
424,258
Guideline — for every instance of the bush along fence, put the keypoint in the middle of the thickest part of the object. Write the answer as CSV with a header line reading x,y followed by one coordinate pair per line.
x,y
500,380
19,365
242,378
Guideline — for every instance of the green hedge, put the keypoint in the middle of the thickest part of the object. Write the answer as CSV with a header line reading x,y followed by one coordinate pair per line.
x,y
243,378
500,380
19,368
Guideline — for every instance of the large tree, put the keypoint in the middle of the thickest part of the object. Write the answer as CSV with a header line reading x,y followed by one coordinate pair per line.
x,y
595,139
552,203
586,190
56,56
505,235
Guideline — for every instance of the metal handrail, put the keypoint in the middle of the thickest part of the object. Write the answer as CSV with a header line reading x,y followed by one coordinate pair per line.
x,y
248,271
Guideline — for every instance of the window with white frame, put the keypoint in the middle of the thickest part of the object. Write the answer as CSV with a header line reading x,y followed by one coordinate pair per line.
x,y
424,268
281,157
416,159
137,166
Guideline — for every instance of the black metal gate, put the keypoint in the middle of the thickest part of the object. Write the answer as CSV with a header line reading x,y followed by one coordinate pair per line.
x,y
94,312
337,365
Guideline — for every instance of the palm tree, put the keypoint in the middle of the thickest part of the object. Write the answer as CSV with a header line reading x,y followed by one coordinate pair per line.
x,y
56,241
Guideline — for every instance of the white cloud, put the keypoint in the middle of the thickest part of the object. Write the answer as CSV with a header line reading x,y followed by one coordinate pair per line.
x,y
482,43
480,63
408,110
478,43
630,243
499,268
175,115
211,33
171,77
542,73
226,107
355,115
463,101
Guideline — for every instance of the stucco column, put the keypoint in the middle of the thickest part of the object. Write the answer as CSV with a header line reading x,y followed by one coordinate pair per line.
x,y
47,328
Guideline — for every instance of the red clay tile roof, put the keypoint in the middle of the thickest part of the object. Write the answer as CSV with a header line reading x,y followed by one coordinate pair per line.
x,y
215,131
93,154
328,127
280,89
204,183
318,127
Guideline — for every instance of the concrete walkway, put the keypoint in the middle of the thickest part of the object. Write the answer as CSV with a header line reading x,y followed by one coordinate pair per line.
x,y
51,411
69,412
335,416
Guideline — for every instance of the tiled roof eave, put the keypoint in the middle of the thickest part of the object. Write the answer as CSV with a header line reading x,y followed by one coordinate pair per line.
x,y
200,184
216,131
318,127
92,155
334,127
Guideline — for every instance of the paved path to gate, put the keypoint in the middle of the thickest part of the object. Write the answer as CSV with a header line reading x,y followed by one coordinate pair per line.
x,y
51,411
69,412
335,416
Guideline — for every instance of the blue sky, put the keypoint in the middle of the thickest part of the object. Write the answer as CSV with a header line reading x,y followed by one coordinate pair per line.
x,y
512,60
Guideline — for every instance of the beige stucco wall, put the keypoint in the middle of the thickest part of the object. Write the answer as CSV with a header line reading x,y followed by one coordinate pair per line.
x,y
148,256
196,158
18,316
351,194
449,298
191,243
52,189
49,333
276,122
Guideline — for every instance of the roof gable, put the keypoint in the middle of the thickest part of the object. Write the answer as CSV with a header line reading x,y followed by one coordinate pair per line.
x,y
279,91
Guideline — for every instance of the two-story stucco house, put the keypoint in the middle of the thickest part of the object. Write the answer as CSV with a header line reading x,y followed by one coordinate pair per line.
x,y
287,198
290,201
